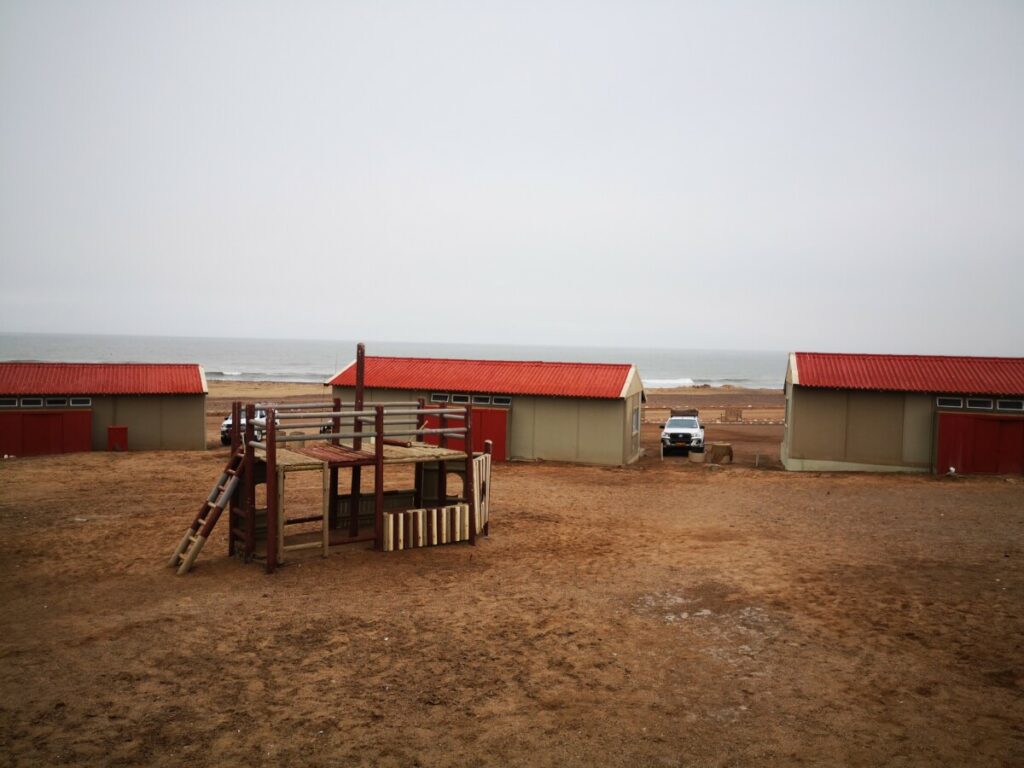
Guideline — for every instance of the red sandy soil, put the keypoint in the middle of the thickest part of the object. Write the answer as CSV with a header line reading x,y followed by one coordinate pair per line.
x,y
663,614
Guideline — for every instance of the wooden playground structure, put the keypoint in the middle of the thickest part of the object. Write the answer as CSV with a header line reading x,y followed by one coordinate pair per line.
x,y
347,436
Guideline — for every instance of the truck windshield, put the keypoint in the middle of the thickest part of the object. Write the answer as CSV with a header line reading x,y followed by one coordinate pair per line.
x,y
682,422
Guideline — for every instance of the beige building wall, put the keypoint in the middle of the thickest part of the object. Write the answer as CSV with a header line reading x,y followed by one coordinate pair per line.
x,y
169,422
830,429
583,430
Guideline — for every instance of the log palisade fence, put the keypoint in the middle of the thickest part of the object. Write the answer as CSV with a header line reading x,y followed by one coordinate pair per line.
x,y
412,528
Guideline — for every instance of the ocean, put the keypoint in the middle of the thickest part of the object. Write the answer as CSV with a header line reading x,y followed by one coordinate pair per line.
x,y
313,360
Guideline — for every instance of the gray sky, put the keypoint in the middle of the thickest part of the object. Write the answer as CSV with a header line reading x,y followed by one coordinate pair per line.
x,y
720,175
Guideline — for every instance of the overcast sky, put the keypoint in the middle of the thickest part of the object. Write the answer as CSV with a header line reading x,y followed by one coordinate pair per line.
x,y
758,175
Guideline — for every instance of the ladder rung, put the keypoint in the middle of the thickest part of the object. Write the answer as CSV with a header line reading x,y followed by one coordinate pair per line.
x,y
201,522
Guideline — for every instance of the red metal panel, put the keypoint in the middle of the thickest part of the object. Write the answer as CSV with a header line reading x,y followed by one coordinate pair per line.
x,y
912,373
505,377
10,433
77,431
101,379
980,443
1011,447
41,434
493,426
488,424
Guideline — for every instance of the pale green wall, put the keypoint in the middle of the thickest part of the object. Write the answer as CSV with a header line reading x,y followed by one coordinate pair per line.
x,y
853,429
583,430
170,422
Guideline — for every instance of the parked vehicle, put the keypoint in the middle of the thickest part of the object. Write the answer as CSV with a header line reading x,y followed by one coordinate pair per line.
x,y
684,432
225,427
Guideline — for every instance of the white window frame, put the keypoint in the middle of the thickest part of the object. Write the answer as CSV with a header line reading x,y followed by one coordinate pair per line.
x,y
502,400
636,420
8,402
459,399
949,402
31,402
80,402
481,399
56,402
439,397
1013,406
980,400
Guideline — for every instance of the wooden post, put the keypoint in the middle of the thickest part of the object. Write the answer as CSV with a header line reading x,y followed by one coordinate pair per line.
x,y
250,483
442,473
484,490
357,442
378,478
238,497
421,421
468,486
330,503
332,494
270,437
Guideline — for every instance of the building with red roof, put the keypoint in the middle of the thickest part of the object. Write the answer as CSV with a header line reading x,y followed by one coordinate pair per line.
x,y
68,407
579,412
909,413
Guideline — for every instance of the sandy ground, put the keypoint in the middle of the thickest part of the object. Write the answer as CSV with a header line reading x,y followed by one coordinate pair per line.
x,y
664,614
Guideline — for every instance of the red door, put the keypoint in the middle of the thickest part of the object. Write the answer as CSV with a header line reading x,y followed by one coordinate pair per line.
x,y
488,424
980,443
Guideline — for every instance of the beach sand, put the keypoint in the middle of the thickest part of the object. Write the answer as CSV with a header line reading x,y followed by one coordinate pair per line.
x,y
659,614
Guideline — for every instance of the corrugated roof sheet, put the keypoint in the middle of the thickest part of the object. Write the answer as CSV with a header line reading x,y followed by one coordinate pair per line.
x,y
504,377
18,378
912,373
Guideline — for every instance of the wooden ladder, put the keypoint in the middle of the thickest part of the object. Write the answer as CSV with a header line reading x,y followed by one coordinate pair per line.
x,y
199,531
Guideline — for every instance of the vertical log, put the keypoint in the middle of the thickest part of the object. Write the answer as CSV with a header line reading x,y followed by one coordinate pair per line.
x,y
378,477
485,491
238,498
442,471
332,521
421,421
250,484
357,442
469,487
270,436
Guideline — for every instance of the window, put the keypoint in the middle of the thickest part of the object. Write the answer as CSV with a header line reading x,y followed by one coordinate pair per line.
x,y
481,399
31,402
501,400
950,402
1010,405
636,420
8,402
56,402
81,402
460,398
979,403
437,398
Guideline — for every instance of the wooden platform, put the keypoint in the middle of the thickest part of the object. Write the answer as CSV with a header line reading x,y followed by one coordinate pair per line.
x,y
304,459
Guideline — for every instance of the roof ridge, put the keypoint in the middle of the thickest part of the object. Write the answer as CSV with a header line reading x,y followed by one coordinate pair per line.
x,y
911,355
494,360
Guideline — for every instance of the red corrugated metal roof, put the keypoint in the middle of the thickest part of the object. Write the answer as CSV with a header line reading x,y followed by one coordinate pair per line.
x,y
504,377
911,373
101,379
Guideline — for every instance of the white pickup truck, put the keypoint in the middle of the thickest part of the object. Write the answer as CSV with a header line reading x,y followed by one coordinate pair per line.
x,y
684,432
225,427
